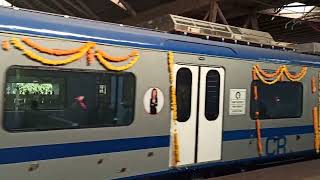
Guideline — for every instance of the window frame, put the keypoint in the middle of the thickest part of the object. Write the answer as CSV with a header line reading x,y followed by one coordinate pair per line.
x,y
77,70
190,98
217,111
252,102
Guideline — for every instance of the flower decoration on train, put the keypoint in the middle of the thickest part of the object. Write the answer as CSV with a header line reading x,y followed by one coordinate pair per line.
x,y
88,49
30,54
282,71
56,52
271,78
90,56
315,116
5,45
172,88
104,59
175,140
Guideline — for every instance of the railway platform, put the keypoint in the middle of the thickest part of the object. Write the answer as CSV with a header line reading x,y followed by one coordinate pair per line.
x,y
306,170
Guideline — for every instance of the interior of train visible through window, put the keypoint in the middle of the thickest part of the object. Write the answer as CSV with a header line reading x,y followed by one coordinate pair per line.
x,y
38,99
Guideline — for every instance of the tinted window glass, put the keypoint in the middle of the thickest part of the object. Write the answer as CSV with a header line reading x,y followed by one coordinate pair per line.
x,y
183,91
212,95
50,99
277,101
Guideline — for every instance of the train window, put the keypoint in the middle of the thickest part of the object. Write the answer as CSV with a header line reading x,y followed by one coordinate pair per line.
x,y
183,91
38,99
212,95
277,101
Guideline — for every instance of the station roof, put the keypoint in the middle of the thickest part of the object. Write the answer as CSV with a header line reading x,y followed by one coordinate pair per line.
x,y
269,13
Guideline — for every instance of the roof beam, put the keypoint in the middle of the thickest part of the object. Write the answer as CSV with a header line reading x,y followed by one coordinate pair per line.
x,y
176,7
44,6
119,3
273,4
183,6
87,9
125,6
130,10
80,10
26,5
213,12
65,10
252,21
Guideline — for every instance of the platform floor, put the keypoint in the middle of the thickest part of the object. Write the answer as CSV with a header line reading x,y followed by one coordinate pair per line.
x,y
307,170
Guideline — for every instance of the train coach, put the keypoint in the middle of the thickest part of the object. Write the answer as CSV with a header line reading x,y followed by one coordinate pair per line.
x,y
86,100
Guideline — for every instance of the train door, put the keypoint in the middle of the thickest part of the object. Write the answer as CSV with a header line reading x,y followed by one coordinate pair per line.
x,y
198,129
211,88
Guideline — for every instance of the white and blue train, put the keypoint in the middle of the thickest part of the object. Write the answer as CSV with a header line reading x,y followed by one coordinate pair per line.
x,y
79,120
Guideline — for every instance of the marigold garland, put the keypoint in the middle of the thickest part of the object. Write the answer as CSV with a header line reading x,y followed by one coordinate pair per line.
x,y
267,75
258,123
5,45
258,131
57,52
280,72
318,114
90,56
17,44
254,74
111,67
258,73
296,77
87,49
261,77
173,91
316,129
117,59
176,148
313,85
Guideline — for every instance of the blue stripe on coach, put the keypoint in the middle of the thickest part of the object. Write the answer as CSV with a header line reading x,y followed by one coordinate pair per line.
x,y
55,151
266,132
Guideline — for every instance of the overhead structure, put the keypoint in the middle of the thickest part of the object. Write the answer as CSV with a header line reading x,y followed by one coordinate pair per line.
x,y
309,48
215,11
209,30
265,15
126,6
